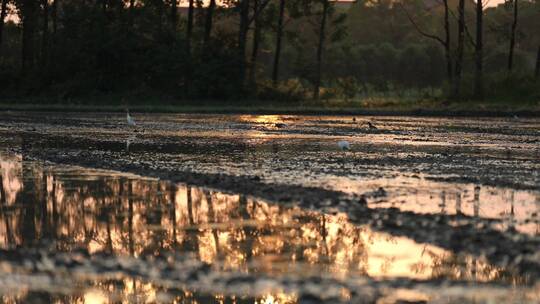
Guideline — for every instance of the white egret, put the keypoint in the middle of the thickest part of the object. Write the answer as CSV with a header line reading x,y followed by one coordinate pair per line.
x,y
344,145
130,120
129,141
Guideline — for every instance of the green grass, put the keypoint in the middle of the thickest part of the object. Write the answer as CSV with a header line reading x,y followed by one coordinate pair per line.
x,y
366,106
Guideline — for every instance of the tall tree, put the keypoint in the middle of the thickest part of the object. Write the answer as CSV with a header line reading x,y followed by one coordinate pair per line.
x,y
460,49
28,10
320,48
189,34
54,17
44,32
245,22
189,28
3,14
242,38
513,37
208,24
479,55
445,42
256,40
279,37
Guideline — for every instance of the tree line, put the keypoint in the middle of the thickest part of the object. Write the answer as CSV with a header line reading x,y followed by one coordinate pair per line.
x,y
268,49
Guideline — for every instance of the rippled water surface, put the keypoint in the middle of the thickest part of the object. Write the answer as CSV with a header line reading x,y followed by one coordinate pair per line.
x,y
267,209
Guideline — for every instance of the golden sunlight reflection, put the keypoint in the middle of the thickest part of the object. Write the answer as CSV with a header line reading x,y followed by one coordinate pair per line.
x,y
262,119
519,209
95,297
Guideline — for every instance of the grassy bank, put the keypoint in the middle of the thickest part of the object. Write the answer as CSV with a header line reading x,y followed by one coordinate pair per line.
x,y
367,106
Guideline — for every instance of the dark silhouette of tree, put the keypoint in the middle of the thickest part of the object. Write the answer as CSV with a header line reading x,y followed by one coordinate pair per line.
x,y
190,21
245,21
54,17
479,55
513,36
279,38
445,42
242,38
107,46
28,10
460,50
320,48
3,14
208,24
257,12
44,33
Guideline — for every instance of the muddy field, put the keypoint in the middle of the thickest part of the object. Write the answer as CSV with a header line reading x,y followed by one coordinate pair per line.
x,y
268,209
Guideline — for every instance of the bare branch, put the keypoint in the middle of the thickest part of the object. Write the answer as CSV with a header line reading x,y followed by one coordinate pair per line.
x,y
258,10
419,30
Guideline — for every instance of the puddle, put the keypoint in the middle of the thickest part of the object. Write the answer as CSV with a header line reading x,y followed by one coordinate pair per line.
x,y
105,212
421,177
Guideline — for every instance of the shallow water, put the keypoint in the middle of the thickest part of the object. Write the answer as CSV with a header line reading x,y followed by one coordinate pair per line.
x,y
261,248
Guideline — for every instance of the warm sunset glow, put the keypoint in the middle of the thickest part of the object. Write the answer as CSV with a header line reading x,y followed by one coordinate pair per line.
x,y
217,227
95,297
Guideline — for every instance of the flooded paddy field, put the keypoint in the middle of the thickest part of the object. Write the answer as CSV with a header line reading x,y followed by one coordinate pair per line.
x,y
268,209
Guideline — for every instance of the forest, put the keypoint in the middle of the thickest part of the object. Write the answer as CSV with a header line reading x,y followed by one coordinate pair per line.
x,y
283,51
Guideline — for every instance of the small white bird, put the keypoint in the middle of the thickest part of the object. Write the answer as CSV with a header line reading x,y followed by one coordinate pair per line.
x,y
129,141
344,145
130,120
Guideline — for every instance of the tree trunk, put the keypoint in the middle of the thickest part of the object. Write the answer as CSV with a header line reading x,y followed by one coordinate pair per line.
x,y
479,55
320,47
255,48
537,70
513,37
54,17
279,36
174,14
208,22
460,49
189,32
29,10
447,43
3,14
44,33
242,39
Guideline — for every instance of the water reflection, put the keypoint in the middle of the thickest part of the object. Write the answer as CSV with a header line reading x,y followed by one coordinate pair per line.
x,y
127,215
134,291
519,210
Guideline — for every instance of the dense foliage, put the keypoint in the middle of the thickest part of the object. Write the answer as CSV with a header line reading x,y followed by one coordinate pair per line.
x,y
190,50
